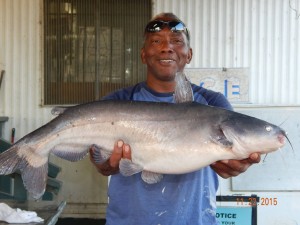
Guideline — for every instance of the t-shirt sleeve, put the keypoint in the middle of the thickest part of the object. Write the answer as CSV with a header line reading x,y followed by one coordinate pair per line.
x,y
122,94
210,97
219,100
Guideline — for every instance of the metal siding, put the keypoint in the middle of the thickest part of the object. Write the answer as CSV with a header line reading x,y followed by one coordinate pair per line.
x,y
20,99
21,59
261,35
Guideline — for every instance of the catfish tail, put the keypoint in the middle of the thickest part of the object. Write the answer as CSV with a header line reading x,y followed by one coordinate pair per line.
x,y
10,161
34,176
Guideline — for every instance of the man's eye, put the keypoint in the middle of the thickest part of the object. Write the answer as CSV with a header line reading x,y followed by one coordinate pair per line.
x,y
177,41
155,41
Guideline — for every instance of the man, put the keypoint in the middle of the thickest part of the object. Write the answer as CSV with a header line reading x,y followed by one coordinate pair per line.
x,y
187,199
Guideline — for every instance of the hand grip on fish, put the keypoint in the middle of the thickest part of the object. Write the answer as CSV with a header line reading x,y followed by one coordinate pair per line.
x,y
165,138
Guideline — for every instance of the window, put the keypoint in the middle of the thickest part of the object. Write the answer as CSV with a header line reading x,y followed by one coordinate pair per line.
x,y
92,47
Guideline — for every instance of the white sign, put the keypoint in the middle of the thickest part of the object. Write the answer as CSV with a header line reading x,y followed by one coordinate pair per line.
x,y
232,82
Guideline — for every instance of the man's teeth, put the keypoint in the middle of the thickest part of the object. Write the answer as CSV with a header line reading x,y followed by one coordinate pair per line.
x,y
166,60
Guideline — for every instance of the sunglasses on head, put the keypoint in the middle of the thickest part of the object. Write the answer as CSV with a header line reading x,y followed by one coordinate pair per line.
x,y
158,25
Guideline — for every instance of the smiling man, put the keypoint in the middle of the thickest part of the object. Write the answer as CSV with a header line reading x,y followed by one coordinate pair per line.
x,y
166,51
186,199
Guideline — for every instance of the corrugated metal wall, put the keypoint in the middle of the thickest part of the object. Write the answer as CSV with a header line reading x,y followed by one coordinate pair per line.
x,y
21,58
263,35
260,34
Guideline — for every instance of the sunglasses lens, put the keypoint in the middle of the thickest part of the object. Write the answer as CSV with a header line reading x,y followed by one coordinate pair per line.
x,y
154,26
176,26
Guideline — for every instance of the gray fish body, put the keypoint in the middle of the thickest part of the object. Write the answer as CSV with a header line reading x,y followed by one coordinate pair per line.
x,y
165,138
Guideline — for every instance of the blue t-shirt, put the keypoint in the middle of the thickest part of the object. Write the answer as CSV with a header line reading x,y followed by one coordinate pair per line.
x,y
187,199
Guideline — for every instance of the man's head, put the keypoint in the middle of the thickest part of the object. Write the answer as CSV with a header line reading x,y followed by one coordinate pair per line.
x,y
166,47
161,20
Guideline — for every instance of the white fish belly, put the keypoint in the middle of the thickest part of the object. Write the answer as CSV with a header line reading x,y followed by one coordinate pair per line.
x,y
162,147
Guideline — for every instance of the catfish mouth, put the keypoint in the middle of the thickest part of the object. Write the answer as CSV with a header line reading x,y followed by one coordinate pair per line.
x,y
281,138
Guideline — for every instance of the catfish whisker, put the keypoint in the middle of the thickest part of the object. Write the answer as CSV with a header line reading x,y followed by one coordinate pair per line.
x,y
283,122
264,160
285,134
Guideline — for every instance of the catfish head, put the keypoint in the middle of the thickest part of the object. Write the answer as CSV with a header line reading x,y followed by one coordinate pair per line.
x,y
248,135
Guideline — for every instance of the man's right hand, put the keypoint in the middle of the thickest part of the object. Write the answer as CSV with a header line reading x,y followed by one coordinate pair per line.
x,y
111,166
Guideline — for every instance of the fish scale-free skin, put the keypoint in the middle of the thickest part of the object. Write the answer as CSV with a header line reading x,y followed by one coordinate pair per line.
x,y
165,138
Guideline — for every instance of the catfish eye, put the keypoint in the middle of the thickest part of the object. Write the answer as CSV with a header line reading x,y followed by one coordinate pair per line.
x,y
268,128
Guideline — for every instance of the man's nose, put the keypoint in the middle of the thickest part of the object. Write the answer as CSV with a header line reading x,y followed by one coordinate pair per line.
x,y
167,46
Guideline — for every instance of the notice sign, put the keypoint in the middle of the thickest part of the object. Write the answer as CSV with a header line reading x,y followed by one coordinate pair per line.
x,y
234,215
232,82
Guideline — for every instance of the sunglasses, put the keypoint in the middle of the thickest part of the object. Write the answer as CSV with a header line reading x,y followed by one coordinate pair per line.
x,y
174,26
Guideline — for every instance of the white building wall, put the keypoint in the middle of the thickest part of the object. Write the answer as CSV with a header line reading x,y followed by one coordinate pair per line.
x,y
262,35
21,56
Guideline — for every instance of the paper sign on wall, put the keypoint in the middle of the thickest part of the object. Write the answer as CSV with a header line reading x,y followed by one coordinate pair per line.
x,y
234,215
232,82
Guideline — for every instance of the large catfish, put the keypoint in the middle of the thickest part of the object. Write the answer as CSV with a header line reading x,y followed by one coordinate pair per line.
x,y
165,138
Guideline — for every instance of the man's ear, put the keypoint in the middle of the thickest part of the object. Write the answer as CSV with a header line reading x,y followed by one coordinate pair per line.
x,y
190,56
143,55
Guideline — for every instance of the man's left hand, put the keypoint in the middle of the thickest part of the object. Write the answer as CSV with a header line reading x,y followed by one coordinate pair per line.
x,y
232,168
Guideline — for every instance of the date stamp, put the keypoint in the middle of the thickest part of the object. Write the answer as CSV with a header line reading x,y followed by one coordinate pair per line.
x,y
264,201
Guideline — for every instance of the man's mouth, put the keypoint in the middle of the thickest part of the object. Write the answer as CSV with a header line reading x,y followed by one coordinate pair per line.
x,y
166,60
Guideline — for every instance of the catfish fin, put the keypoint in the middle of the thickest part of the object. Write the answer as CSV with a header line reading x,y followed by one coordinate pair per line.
x,y
35,179
100,155
219,138
58,110
10,161
183,89
151,177
71,152
128,168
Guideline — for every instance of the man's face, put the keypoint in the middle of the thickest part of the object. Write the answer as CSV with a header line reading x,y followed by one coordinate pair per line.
x,y
165,53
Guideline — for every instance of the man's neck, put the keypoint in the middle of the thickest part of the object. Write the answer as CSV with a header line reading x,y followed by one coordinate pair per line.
x,y
161,86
